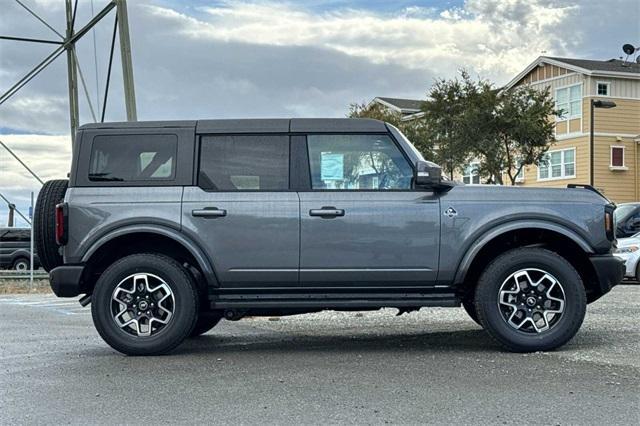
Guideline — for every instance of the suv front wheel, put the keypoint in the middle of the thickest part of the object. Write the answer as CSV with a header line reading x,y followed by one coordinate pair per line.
x,y
144,304
531,299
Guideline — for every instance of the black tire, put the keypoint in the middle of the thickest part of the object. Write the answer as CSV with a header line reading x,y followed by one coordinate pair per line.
x,y
517,340
638,272
470,309
44,223
206,321
178,327
20,264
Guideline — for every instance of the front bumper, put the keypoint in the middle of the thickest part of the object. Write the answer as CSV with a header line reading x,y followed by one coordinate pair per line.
x,y
631,262
609,271
66,281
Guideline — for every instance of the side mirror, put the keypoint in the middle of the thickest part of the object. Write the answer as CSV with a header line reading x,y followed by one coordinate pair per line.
x,y
428,174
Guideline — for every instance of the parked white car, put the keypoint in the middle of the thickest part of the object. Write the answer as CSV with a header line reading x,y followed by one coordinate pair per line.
x,y
629,250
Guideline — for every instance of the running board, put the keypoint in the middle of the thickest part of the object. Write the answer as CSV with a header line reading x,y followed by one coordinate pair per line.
x,y
333,300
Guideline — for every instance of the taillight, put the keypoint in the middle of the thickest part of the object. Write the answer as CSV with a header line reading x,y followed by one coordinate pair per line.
x,y
61,224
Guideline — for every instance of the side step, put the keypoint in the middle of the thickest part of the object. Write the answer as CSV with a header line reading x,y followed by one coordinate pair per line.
x,y
332,300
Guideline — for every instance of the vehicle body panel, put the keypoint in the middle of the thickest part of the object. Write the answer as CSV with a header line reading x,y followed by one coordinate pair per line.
x,y
484,212
384,238
255,243
96,212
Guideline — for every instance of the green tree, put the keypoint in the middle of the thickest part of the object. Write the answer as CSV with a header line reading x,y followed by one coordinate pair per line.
x,y
505,130
446,116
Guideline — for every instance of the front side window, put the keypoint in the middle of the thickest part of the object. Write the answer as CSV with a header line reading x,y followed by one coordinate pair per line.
x,y
133,158
569,102
357,162
558,165
244,163
471,174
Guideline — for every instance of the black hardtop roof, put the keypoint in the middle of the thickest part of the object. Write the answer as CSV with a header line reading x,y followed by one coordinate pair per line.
x,y
253,125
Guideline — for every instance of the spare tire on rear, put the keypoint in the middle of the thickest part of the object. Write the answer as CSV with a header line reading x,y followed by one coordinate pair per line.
x,y
44,223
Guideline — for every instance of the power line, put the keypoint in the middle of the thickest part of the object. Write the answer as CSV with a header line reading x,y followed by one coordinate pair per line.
x,y
21,162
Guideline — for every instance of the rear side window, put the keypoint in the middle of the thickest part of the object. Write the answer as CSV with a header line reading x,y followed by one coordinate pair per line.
x,y
244,163
14,235
133,158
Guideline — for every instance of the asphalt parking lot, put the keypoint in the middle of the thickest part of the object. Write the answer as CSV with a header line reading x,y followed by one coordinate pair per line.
x,y
435,366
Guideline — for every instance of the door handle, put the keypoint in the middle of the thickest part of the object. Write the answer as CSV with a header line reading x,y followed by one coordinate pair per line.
x,y
327,212
209,212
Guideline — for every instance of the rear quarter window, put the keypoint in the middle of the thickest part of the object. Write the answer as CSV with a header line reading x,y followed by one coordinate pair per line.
x,y
133,158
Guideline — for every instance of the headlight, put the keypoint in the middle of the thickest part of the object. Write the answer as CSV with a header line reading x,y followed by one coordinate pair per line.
x,y
628,249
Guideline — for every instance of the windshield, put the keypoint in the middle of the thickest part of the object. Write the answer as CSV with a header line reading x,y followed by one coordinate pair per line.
x,y
623,212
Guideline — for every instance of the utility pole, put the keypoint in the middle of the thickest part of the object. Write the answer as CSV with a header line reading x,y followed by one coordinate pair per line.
x,y
72,75
10,220
127,65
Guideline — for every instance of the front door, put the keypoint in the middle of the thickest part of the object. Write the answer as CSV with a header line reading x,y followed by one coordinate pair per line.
x,y
362,223
242,211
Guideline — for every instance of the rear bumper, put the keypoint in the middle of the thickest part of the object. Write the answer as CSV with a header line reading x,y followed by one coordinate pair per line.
x,y
609,271
66,281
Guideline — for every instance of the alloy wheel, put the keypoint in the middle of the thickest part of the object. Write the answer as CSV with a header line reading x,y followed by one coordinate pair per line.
x,y
142,304
531,300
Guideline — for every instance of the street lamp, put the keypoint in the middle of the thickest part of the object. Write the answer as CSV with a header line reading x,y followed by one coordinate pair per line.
x,y
595,104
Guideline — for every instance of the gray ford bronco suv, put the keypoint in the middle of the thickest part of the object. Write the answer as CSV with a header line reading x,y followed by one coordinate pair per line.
x,y
168,227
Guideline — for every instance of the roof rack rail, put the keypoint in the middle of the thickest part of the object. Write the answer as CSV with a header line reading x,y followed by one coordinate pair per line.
x,y
588,187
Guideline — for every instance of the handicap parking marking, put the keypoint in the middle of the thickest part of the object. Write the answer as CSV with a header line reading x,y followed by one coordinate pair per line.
x,y
50,303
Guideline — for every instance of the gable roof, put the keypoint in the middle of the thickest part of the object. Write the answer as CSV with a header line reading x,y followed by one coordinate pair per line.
x,y
404,106
609,68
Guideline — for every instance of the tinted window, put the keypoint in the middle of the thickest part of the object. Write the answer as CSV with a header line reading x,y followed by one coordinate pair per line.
x,y
131,158
244,163
13,235
357,162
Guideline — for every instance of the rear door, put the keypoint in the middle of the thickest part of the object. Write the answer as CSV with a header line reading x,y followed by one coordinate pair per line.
x,y
243,212
362,223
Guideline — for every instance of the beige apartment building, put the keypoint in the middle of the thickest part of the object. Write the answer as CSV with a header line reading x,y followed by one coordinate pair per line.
x,y
574,84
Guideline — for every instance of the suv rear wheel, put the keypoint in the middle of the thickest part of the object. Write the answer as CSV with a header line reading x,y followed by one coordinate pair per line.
x,y
531,299
144,304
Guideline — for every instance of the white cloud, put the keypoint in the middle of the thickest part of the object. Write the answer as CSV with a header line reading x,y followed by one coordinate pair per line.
x,y
413,38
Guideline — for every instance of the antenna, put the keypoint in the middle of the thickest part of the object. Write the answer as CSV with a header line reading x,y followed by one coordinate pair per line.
x,y
630,49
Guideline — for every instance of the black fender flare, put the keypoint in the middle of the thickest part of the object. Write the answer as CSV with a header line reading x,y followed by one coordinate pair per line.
x,y
203,261
487,236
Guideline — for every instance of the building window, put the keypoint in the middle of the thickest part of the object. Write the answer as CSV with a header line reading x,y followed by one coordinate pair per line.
x,y
559,164
617,157
471,175
602,88
569,102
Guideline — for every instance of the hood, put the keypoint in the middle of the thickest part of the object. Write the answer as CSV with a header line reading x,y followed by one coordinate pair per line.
x,y
527,194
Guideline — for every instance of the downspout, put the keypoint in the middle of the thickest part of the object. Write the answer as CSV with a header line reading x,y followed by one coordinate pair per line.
x,y
637,144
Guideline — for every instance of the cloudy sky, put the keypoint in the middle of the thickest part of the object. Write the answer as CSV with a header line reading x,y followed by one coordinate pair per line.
x,y
214,59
